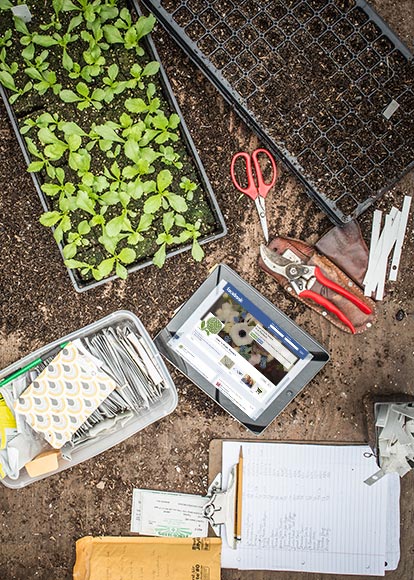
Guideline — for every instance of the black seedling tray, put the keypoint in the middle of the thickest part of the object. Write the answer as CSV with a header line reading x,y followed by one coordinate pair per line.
x,y
316,80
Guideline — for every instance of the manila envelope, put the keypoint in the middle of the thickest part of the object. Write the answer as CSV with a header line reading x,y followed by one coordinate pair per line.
x,y
141,558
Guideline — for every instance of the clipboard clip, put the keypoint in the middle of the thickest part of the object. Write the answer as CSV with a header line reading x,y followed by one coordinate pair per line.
x,y
221,508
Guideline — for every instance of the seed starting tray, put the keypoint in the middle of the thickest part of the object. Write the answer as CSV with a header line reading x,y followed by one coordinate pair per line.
x,y
324,83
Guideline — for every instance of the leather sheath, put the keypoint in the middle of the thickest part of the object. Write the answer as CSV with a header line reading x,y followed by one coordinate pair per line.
x,y
346,248
309,255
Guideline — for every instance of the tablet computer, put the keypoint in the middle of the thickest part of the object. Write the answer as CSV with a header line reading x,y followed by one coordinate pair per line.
x,y
240,349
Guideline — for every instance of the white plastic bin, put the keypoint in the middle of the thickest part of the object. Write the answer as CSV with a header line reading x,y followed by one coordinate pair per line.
x,y
164,406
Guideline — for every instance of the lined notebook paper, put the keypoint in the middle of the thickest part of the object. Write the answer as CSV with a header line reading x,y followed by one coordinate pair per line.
x,y
307,508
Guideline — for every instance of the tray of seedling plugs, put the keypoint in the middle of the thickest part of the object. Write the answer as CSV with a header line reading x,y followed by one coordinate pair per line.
x,y
324,83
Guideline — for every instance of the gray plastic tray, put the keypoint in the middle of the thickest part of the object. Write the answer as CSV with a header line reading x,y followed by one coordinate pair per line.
x,y
166,404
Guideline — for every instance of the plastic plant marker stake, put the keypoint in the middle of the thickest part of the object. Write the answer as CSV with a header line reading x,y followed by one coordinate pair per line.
x,y
400,238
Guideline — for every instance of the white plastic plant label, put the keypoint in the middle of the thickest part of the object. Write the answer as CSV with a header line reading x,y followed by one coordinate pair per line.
x,y
22,11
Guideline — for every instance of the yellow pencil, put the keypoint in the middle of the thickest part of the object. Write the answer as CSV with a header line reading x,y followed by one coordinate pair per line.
x,y
239,493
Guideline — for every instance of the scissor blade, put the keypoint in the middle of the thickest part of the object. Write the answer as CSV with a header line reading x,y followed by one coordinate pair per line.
x,y
261,210
275,262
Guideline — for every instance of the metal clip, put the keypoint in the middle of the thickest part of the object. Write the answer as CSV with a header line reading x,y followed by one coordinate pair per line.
x,y
221,509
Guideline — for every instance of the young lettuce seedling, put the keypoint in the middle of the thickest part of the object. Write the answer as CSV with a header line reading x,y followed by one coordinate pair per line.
x,y
42,161
138,74
125,256
76,240
164,198
164,239
46,80
83,97
7,81
30,39
190,232
11,69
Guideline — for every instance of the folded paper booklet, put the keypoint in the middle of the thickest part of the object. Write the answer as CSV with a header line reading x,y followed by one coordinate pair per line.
x,y
120,558
65,394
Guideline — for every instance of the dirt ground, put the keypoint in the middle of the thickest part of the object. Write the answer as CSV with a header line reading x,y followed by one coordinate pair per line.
x,y
40,523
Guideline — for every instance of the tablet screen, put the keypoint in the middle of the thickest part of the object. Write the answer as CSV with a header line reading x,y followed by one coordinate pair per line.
x,y
239,349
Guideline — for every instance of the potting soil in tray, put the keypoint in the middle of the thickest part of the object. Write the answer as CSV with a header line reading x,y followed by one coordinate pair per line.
x,y
116,170
324,83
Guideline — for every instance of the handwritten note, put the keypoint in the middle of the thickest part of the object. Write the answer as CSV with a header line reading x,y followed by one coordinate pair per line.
x,y
306,508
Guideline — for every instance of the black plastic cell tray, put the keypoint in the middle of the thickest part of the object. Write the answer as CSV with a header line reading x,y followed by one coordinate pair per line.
x,y
221,228
313,79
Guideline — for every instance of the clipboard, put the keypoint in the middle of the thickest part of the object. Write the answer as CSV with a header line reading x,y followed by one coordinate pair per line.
x,y
227,504
392,528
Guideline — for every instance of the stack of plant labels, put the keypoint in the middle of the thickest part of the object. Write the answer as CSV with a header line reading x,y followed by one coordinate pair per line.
x,y
383,242
395,429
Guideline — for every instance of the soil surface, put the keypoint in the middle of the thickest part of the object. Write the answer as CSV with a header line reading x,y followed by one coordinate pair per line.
x,y
40,523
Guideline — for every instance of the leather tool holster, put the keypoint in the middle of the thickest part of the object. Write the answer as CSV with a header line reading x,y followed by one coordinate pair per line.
x,y
346,265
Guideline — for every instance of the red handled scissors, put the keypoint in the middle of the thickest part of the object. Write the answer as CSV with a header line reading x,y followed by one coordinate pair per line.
x,y
256,188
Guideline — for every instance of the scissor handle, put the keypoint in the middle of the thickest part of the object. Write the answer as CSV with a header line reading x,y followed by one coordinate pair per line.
x,y
262,187
253,190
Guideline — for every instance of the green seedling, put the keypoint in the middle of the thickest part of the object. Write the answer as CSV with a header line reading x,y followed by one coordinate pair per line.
x,y
190,232
64,40
144,225
45,80
115,178
42,162
131,129
170,157
93,55
92,12
55,20
5,5
31,39
43,120
7,81
60,220
139,106
84,268
143,158
79,159
188,187
124,22
94,184
76,240
164,198
163,129
137,188
99,220
164,239
40,63
62,188
95,135
11,69
138,74
125,256
83,97
113,86
137,31
5,40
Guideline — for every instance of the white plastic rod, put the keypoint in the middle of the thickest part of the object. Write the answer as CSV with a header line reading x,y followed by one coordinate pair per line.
x,y
400,238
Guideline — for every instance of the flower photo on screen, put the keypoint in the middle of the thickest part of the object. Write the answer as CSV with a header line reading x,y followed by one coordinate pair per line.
x,y
237,325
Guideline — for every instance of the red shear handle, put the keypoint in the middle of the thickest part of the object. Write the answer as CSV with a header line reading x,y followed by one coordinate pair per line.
x,y
251,189
327,304
342,291
263,187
